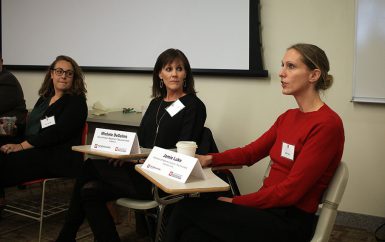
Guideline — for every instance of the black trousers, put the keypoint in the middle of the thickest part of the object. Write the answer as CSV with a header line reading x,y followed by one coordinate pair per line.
x,y
209,220
31,164
99,183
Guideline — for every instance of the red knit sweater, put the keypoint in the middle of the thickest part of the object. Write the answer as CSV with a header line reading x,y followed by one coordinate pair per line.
x,y
318,140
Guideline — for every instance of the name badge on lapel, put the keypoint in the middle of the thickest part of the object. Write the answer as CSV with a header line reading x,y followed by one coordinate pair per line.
x,y
48,121
287,151
175,107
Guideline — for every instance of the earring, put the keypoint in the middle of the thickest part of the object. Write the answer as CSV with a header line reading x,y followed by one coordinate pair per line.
x,y
161,83
185,83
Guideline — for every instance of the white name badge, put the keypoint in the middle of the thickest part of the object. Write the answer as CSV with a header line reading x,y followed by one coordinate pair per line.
x,y
115,141
173,165
175,107
287,151
48,121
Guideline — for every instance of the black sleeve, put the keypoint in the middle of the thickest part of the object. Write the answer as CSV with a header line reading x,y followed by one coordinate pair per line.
x,y
145,132
70,117
193,120
11,93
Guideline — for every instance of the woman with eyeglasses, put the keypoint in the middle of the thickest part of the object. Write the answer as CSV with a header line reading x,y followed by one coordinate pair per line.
x,y
53,126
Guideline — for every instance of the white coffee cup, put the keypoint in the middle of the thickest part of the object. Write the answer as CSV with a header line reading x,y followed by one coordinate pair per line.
x,y
186,147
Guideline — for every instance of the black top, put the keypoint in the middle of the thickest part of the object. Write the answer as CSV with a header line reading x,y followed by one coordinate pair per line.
x,y
12,101
70,113
187,124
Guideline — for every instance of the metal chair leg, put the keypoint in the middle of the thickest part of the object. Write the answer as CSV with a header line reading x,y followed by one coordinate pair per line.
x,y
158,234
42,210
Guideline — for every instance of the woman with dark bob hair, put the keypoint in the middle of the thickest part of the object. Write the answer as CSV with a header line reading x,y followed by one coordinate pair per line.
x,y
102,181
158,89
305,145
53,126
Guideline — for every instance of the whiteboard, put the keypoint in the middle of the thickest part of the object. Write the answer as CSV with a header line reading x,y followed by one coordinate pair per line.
x,y
213,34
369,66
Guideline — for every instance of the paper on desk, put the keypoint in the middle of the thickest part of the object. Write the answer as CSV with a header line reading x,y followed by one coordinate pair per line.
x,y
99,109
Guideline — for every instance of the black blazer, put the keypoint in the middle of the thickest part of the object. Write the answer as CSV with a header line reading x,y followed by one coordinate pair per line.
x,y
70,114
55,142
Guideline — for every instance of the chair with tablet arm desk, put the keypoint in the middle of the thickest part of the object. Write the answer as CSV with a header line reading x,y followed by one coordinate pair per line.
x,y
39,207
206,145
147,206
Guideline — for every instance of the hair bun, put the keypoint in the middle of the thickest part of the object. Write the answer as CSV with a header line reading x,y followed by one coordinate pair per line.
x,y
328,81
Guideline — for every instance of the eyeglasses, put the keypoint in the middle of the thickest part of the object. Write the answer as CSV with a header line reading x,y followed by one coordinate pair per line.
x,y
60,72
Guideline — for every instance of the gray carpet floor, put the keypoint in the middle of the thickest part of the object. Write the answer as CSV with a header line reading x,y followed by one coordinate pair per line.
x,y
15,228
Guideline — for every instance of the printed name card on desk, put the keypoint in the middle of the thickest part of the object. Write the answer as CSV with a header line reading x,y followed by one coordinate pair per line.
x,y
115,141
176,166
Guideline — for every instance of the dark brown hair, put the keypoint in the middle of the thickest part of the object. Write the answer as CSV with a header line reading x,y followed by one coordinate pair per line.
x,y
315,58
78,85
166,57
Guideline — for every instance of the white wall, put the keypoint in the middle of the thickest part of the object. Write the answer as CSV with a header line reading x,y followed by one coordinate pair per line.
x,y
241,109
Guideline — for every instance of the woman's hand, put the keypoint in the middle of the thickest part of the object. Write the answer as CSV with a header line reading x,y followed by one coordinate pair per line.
x,y
205,160
225,199
9,148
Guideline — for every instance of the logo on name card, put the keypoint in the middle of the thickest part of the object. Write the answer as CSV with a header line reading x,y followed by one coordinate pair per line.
x,y
153,167
120,149
101,146
175,175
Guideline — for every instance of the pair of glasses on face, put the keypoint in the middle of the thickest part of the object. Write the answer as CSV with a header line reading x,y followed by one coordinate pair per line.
x,y
60,72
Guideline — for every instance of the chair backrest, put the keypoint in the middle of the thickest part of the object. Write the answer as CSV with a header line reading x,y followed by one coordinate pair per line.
x,y
207,143
84,138
331,199
330,202
84,133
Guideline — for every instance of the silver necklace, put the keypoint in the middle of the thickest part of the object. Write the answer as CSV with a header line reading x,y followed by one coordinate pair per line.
x,y
157,122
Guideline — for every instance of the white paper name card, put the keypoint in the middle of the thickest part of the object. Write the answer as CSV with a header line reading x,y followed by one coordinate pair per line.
x,y
115,141
176,166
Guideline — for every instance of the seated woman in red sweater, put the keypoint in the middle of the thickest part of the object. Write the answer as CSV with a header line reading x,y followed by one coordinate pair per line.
x,y
305,145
